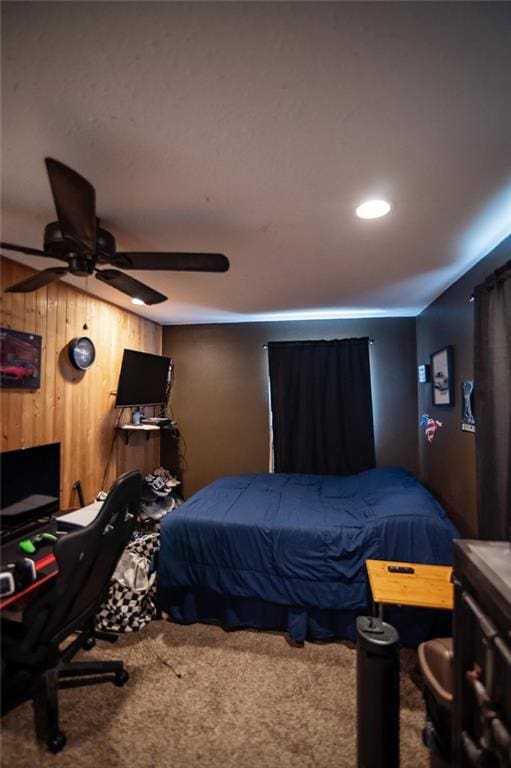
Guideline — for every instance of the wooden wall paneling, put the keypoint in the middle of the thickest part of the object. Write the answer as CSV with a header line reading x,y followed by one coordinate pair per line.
x,y
149,340
72,407
90,421
111,357
29,312
119,451
68,458
59,382
6,309
83,397
6,298
133,331
39,398
15,398
50,376
124,413
100,422
81,381
151,332
28,411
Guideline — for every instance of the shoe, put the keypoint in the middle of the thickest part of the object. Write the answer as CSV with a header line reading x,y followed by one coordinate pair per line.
x,y
158,487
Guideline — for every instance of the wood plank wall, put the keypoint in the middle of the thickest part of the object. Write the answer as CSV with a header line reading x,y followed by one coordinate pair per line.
x,y
75,408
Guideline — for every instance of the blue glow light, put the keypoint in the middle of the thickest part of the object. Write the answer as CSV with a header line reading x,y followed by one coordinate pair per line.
x,y
333,313
489,229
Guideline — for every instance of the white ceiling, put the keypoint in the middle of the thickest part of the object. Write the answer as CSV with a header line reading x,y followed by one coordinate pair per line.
x,y
254,129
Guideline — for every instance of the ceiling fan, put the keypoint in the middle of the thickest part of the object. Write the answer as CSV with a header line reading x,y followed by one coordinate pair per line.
x,y
78,240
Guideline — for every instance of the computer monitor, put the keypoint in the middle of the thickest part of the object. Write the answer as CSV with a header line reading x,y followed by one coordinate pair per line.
x,y
30,484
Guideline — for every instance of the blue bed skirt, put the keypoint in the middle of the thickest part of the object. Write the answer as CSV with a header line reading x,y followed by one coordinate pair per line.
x,y
186,606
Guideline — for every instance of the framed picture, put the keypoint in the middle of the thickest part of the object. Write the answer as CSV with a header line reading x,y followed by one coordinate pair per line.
x,y
442,377
20,360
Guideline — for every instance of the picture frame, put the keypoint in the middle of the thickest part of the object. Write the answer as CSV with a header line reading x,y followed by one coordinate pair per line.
x,y
442,377
468,422
20,359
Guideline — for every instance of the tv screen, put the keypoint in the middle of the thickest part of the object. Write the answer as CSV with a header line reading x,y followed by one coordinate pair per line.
x,y
143,379
30,485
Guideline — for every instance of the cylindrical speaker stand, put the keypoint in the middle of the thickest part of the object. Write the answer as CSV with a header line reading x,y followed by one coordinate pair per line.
x,y
377,694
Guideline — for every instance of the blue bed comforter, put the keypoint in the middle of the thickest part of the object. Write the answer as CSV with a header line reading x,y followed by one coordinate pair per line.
x,y
301,540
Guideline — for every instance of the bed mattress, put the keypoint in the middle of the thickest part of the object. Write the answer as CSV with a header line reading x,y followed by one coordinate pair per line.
x,y
300,540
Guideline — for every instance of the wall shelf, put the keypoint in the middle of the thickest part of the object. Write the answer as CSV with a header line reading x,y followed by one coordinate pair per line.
x,y
127,429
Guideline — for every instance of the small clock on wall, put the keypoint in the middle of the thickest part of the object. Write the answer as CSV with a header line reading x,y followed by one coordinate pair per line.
x,y
81,352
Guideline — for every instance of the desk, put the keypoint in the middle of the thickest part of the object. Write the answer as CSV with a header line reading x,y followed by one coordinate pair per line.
x,y
44,560
430,586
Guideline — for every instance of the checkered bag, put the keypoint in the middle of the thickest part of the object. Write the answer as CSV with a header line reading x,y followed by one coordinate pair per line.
x,y
130,604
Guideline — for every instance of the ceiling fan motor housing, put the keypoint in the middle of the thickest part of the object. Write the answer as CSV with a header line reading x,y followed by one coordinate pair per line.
x,y
63,248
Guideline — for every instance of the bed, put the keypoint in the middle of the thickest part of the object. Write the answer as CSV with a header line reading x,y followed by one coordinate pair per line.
x,y
287,552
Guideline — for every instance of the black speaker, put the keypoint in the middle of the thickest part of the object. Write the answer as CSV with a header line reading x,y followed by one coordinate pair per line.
x,y
377,694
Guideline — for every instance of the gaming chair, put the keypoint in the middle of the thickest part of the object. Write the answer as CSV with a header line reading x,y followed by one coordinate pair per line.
x,y
36,665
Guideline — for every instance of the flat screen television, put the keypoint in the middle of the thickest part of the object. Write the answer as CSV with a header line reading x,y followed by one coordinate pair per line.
x,y
143,379
30,487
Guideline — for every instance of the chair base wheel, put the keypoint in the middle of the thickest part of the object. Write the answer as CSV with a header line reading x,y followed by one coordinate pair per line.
x,y
121,678
89,643
57,743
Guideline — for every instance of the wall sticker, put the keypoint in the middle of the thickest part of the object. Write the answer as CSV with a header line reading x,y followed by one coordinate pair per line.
x,y
430,426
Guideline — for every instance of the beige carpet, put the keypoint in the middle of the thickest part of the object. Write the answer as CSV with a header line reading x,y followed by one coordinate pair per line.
x,y
245,700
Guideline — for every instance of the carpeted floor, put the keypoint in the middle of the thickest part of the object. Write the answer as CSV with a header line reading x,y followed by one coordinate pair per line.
x,y
245,700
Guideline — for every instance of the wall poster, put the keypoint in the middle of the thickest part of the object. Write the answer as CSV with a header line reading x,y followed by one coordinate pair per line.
x,y
468,422
20,360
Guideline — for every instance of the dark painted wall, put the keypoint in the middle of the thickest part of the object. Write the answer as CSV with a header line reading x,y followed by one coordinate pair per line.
x,y
220,394
447,465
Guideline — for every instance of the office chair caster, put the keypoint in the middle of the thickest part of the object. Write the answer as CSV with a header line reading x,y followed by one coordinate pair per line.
x,y
89,643
57,742
121,678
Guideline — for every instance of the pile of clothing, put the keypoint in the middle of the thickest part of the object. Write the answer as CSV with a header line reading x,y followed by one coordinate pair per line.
x,y
131,599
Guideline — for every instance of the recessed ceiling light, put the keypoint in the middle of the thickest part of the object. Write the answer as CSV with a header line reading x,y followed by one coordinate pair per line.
x,y
373,209
137,301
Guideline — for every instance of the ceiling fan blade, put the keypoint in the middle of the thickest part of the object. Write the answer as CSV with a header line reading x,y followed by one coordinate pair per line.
x,y
129,285
21,249
36,281
75,202
188,262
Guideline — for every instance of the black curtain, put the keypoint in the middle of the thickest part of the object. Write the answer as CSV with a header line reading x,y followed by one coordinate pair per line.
x,y
321,406
492,393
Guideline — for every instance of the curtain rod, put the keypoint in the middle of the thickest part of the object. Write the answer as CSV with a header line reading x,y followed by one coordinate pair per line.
x,y
265,346
489,282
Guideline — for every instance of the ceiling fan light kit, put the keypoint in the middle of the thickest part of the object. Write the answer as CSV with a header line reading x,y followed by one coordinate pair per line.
x,y
78,240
